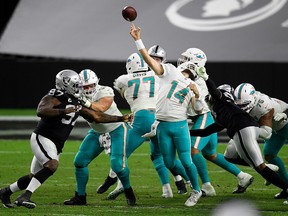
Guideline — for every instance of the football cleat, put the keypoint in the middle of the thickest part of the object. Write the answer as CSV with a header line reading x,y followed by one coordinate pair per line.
x,y
243,183
282,195
130,196
115,193
193,198
5,194
167,191
181,187
24,200
76,200
106,185
208,190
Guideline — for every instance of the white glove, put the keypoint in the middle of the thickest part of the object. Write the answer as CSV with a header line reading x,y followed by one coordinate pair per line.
x,y
201,71
152,133
85,102
117,88
280,116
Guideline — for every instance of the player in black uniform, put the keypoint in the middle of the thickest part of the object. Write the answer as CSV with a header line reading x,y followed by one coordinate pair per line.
x,y
59,110
241,127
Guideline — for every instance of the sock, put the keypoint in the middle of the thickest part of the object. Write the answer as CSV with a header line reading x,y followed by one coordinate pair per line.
x,y
177,178
112,174
282,170
33,185
272,177
82,175
201,166
22,183
220,161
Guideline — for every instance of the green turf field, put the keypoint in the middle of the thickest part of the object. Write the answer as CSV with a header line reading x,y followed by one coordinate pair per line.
x,y
15,157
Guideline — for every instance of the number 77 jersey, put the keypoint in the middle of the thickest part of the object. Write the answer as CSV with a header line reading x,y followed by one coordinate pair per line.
x,y
140,89
174,95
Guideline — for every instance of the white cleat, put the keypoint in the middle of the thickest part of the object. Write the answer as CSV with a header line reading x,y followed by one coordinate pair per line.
x,y
208,190
243,183
167,191
193,198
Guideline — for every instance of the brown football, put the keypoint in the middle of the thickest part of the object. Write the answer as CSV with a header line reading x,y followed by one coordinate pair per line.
x,y
129,13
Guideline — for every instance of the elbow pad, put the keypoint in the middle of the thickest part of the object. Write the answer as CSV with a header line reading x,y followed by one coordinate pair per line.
x,y
265,132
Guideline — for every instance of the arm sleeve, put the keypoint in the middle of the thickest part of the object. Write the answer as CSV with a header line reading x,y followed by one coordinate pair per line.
x,y
214,92
213,128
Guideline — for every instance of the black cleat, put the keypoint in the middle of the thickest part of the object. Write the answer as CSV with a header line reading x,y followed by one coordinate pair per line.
x,y
5,194
106,185
130,196
181,187
282,195
24,200
246,182
76,200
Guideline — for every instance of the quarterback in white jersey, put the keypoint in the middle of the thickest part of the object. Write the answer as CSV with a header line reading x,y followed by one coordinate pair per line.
x,y
270,113
175,93
108,137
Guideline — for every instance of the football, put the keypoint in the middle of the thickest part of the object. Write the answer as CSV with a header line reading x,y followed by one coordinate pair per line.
x,y
129,13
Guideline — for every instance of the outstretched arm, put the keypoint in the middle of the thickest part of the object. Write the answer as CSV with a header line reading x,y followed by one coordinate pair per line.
x,y
153,64
213,128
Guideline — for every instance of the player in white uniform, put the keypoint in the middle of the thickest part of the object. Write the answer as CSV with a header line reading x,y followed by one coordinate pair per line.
x,y
189,60
171,112
270,114
110,137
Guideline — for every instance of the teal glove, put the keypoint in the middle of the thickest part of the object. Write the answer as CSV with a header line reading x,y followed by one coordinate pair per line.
x,y
201,71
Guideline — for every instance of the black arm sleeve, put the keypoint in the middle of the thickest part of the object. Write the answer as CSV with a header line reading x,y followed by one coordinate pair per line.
x,y
214,92
213,128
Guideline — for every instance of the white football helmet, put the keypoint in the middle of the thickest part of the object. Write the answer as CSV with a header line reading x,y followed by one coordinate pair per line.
x,y
69,82
136,63
227,91
194,55
245,96
189,68
89,77
159,52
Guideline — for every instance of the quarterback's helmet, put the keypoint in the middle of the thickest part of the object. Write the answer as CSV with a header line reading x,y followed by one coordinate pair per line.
x,y
227,91
194,55
136,63
245,96
69,82
158,51
189,68
89,78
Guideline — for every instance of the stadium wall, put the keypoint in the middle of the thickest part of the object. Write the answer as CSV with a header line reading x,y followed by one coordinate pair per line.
x,y
25,80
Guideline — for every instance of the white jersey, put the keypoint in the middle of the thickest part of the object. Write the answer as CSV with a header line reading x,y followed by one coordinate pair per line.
x,y
203,91
105,91
140,89
174,95
263,104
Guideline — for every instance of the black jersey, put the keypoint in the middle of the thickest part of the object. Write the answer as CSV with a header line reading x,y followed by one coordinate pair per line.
x,y
226,113
58,128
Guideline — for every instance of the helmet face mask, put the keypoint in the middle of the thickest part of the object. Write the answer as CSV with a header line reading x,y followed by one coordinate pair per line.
x,y
189,68
193,55
245,96
159,52
69,82
136,63
90,81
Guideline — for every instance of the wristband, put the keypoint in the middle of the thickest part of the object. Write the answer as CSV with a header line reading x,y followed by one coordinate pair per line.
x,y
87,104
139,44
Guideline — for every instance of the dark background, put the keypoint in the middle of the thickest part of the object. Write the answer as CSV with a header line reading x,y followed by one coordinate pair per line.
x,y
24,80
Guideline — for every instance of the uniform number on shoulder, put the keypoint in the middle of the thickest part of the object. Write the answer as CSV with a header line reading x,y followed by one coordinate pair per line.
x,y
55,92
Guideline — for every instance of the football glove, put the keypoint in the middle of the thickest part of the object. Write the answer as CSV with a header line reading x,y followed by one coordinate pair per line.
x,y
152,133
201,71
280,116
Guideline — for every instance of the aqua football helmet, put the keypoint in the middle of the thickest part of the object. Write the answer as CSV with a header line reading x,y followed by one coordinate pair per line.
x,y
245,96
69,82
193,55
90,81
136,63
